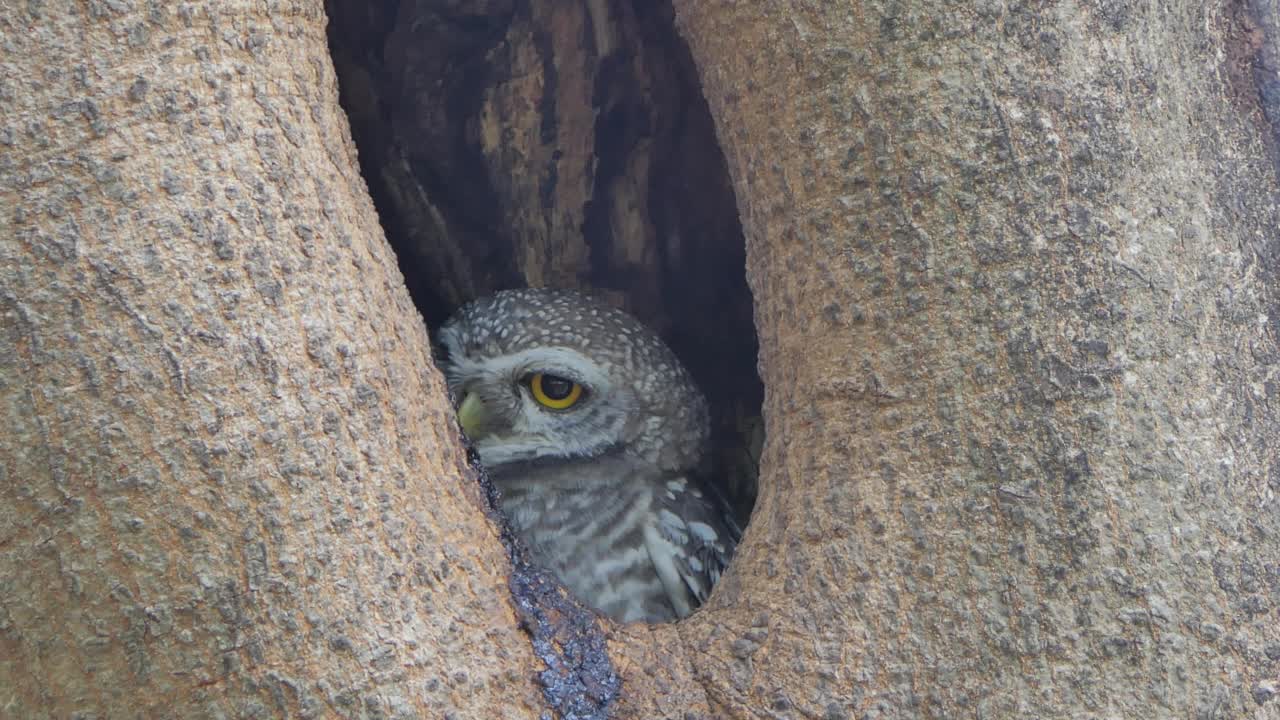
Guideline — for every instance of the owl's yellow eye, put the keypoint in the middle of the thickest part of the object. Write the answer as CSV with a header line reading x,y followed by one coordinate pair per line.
x,y
554,391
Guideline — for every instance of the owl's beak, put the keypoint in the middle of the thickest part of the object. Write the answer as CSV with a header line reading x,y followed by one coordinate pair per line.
x,y
471,415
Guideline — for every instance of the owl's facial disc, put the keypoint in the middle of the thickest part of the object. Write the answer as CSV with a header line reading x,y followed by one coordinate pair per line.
x,y
539,403
547,374
552,392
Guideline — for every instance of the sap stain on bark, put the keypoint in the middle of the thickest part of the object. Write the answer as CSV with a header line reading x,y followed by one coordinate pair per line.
x,y
1252,67
579,682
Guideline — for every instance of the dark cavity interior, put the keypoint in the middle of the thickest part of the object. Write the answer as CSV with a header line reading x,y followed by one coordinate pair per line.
x,y
511,144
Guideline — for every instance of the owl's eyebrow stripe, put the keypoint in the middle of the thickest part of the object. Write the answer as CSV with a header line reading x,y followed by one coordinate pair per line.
x,y
612,449
564,362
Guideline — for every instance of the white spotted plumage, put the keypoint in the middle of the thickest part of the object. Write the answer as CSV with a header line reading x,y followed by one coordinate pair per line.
x,y
604,493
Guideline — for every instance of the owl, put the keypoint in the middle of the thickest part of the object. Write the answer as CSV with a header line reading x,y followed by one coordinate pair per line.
x,y
593,433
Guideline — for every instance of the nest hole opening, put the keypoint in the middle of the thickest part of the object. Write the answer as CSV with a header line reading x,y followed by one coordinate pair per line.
x,y
563,145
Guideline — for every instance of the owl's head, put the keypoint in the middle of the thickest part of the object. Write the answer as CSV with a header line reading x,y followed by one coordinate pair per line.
x,y
542,374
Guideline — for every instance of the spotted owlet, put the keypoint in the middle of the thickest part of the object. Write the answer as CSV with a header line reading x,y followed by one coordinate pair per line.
x,y
591,430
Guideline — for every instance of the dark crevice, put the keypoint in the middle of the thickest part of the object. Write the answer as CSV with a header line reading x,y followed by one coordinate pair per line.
x,y
514,144
579,682
1260,22
1251,41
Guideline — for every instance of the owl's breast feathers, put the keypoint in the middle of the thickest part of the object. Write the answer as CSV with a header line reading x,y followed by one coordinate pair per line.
x,y
630,540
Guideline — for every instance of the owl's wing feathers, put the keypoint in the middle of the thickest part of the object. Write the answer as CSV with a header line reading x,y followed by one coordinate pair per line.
x,y
690,541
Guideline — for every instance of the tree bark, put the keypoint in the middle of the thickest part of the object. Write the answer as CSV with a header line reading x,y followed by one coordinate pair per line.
x,y
1015,273
232,482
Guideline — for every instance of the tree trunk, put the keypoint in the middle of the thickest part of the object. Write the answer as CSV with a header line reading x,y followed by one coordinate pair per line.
x,y
1015,273
232,483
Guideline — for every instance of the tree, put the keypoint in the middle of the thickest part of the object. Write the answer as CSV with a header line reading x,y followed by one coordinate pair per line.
x,y
232,487
1014,272
1015,268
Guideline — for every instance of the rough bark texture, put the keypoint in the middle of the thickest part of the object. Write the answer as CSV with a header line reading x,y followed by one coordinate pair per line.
x,y
1014,269
232,486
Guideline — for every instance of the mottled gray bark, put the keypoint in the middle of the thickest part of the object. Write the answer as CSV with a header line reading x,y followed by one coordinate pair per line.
x,y
231,483
1014,267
